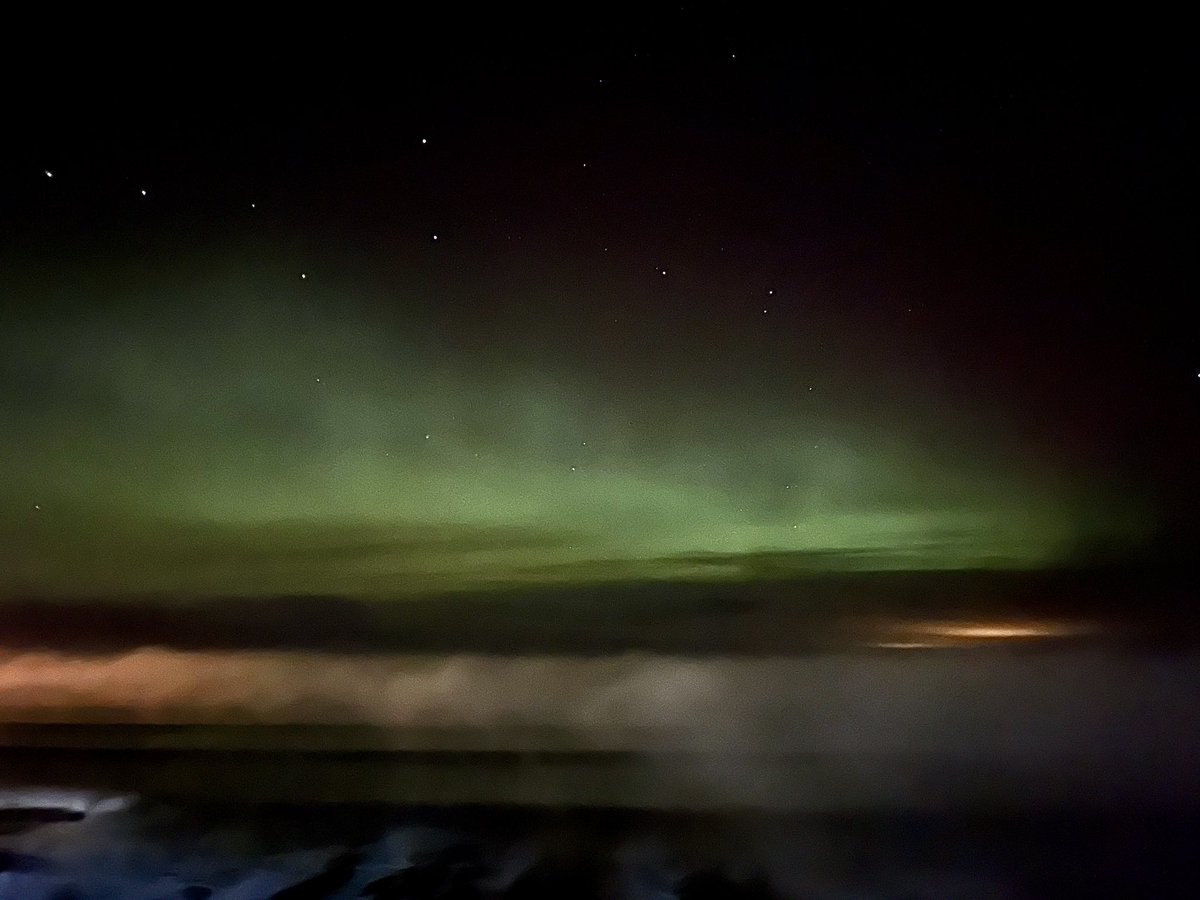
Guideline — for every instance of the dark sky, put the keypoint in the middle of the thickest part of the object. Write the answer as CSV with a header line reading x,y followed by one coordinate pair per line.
x,y
375,310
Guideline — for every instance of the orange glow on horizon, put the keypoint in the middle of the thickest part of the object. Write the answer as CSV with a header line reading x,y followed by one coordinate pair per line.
x,y
927,635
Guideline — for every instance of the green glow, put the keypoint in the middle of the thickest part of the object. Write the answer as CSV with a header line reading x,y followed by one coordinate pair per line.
x,y
261,443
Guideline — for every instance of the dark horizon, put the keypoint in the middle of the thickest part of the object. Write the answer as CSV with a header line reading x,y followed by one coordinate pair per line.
x,y
1139,608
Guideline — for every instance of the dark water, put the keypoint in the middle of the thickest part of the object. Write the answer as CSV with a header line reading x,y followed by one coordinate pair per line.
x,y
155,849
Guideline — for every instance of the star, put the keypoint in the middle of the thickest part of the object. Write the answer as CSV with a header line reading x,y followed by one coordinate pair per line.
x,y
318,381
49,174
143,192
764,312
435,237
303,275
424,141
662,271
770,293
426,437
254,206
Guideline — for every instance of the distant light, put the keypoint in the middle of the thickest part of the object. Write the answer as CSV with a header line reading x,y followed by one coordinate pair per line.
x,y
435,237
426,437
49,174
663,272
992,631
424,141
304,275
143,193
253,206
37,506
956,633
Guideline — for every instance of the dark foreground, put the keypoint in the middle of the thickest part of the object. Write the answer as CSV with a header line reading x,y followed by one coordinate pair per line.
x,y
149,849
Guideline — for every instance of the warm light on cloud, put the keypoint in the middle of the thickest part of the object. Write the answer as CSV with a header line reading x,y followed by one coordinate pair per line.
x,y
1004,630
1065,700
930,635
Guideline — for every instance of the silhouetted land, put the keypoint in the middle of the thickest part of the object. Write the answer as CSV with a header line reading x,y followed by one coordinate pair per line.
x,y
1133,606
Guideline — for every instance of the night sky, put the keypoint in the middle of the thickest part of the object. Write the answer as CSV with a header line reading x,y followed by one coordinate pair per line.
x,y
366,313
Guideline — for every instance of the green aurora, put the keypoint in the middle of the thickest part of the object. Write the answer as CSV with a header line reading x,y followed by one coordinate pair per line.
x,y
241,430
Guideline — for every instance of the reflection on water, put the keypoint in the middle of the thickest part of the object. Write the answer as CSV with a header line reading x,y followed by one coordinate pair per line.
x,y
857,728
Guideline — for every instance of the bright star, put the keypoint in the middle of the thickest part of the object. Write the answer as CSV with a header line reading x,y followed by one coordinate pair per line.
x,y
143,193
49,174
